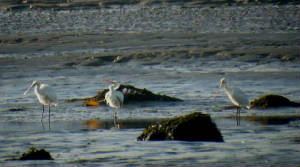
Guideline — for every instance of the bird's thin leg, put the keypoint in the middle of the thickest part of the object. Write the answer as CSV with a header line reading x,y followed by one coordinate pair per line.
x,y
49,111
239,116
42,113
43,125
42,117
116,124
115,117
236,116
49,116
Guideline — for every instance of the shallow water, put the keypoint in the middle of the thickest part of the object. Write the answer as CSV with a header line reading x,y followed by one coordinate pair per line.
x,y
84,136
73,140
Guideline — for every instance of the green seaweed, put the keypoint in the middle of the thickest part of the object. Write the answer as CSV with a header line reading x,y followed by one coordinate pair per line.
x,y
135,95
192,127
17,109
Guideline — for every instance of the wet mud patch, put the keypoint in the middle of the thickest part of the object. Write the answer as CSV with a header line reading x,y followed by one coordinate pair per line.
x,y
91,4
101,49
171,56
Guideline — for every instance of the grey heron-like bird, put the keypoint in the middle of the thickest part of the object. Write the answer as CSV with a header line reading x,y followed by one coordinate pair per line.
x,y
236,96
45,95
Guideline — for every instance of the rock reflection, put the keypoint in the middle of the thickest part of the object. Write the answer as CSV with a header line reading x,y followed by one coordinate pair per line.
x,y
94,124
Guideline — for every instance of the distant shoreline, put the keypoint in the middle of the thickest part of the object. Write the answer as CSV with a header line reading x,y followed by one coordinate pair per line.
x,y
93,4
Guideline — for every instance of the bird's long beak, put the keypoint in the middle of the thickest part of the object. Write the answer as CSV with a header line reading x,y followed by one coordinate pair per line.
x,y
108,81
29,88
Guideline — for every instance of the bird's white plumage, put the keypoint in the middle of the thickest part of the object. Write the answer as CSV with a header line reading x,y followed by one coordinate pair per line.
x,y
236,96
45,94
114,98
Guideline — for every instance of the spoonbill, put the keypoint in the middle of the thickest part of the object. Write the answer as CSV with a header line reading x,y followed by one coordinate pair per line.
x,y
45,95
237,97
114,98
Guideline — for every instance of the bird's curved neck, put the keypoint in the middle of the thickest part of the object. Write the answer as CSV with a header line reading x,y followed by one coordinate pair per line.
x,y
37,87
226,87
111,88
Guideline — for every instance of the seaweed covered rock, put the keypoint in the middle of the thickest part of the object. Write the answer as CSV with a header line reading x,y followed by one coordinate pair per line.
x,y
267,101
132,94
192,127
35,154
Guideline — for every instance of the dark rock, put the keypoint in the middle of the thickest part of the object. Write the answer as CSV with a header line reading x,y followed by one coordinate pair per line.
x,y
267,101
192,127
71,64
35,154
17,109
19,40
296,140
133,94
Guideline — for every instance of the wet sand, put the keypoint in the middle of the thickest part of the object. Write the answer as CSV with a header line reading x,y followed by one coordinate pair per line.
x,y
75,4
150,48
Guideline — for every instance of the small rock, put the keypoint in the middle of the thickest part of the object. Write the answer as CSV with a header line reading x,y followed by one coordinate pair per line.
x,y
296,140
17,109
267,101
192,127
35,154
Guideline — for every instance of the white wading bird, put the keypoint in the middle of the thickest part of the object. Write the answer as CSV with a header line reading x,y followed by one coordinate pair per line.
x,y
45,95
114,98
237,97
